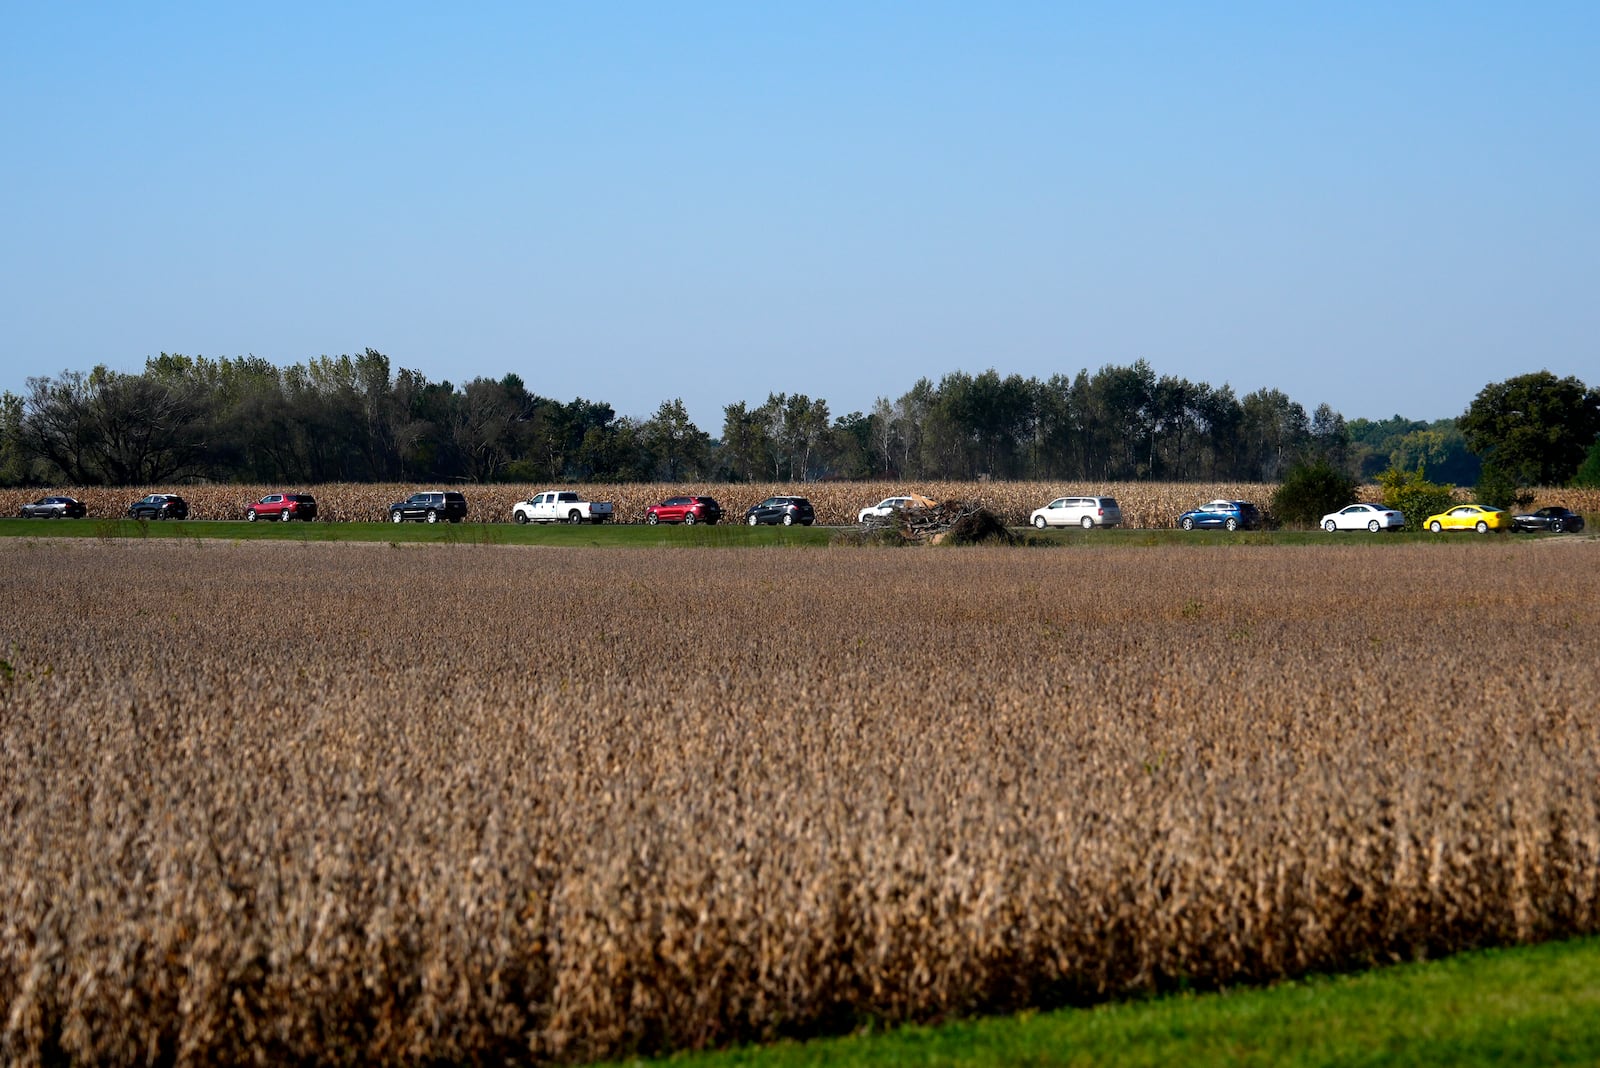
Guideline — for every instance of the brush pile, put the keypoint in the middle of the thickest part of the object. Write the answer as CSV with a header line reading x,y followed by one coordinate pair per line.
x,y
948,522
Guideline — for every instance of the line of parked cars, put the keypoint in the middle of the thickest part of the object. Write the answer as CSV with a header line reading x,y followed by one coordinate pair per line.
x,y
567,506
784,510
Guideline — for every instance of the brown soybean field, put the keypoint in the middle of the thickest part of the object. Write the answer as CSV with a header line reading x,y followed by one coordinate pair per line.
x,y
385,804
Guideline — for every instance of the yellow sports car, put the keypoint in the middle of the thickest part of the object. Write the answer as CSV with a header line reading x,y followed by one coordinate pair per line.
x,y
1470,517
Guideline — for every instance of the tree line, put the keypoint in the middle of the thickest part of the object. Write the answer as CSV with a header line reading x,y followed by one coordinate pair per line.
x,y
354,418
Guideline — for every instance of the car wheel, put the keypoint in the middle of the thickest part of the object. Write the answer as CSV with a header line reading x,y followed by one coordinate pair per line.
x,y
395,517
1555,526
1435,526
1330,526
250,516
751,520
788,520
1232,524
521,518
433,517
1039,521
1088,523
652,519
689,520
1373,526
1187,524
1482,528
285,515
574,517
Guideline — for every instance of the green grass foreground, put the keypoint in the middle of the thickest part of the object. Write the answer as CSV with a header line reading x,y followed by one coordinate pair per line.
x,y
1532,1005
639,535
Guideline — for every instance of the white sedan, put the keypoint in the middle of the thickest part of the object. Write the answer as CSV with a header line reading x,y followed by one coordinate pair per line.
x,y
1373,517
883,508
890,505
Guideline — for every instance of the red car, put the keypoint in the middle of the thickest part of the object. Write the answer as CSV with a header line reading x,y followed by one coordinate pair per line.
x,y
283,507
690,510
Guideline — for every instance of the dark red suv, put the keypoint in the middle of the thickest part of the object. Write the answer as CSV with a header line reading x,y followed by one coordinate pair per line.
x,y
689,510
283,507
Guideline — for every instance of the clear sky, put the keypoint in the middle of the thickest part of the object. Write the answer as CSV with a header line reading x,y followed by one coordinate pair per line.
x,y
1382,206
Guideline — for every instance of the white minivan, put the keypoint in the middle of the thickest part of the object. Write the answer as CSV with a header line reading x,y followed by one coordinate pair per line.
x,y
1085,512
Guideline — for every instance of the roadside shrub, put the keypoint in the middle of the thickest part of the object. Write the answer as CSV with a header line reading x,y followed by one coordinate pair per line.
x,y
1413,496
1311,491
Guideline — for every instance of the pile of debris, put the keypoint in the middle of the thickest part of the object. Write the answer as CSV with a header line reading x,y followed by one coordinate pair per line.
x,y
941,523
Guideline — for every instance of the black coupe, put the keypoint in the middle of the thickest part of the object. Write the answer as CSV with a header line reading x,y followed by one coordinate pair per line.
x,y
1555,520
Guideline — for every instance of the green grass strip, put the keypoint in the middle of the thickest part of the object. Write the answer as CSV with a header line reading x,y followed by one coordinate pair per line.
x,y
1533,1005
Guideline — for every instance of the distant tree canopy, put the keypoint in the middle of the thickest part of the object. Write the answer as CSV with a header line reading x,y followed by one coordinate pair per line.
x,y
354,418
1406,444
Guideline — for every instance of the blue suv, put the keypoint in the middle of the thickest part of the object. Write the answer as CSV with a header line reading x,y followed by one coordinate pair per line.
x,y
1229,515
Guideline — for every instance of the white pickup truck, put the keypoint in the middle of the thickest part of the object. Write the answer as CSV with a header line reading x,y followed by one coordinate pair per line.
x,y
560,506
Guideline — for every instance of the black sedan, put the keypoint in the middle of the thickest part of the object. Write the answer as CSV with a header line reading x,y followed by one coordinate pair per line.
x,y
1555,520
785,510
159,506
54,508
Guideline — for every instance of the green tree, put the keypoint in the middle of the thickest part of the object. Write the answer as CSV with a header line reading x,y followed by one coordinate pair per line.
x,y
679,447
1534,428
1498,488
1330,437
846,449
1589,471
746,442
883,434
1310,491
805,427
13,461
1275,434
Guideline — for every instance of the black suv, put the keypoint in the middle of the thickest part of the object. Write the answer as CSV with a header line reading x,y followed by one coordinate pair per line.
x,y
159,506
785,510
430,507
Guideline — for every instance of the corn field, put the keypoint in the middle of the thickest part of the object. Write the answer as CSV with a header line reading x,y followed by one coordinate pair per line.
x,y
1144,504
374,804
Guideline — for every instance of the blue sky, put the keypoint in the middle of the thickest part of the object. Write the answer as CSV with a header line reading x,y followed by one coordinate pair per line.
x,y
1380,206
